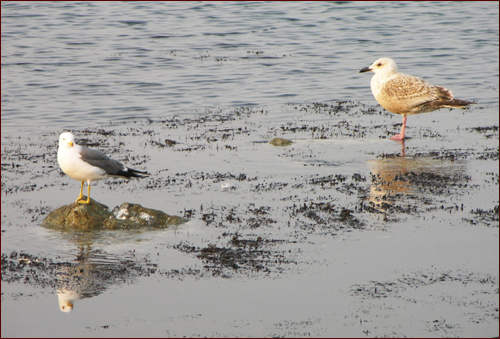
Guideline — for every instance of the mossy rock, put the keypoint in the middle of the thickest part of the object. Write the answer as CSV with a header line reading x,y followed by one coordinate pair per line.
x,y
135,216
280,142
96,216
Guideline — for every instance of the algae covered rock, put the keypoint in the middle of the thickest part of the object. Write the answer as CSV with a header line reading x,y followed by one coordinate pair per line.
x,y
280,142
135,216
96,216
82,217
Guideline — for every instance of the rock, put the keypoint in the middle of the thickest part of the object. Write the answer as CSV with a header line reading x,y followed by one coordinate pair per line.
x,y
135,216
280,142
96,216
83,217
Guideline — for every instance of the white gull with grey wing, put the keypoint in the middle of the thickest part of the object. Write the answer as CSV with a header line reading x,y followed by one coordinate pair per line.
x,y
86,164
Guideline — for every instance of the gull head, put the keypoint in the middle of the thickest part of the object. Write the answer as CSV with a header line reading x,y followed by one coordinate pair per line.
x,y
382,66
66,139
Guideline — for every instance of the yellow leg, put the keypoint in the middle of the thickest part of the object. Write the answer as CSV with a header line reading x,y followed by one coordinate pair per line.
x,y
88,196
81,194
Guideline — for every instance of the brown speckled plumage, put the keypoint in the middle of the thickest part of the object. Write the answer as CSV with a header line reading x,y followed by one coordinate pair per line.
x,y
407,94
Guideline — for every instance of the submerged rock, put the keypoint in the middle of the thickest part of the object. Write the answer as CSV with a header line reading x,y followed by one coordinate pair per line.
x,y
280,142
96,216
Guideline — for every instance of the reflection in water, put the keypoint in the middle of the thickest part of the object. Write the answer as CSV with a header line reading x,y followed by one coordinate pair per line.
x,y
78,280
396,178
66,299
88,275
91,274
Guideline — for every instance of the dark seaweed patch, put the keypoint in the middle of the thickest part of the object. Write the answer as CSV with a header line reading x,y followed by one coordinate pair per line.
x,y
239,255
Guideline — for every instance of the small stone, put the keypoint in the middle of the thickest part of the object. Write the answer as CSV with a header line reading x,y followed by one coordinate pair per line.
x,y
280,142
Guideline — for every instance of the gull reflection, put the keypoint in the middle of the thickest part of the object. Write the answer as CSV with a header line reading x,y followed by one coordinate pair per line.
x,y
67,299
77,280
92,272
396,179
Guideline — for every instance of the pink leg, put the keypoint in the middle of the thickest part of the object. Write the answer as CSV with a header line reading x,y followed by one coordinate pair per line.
x,y
401,134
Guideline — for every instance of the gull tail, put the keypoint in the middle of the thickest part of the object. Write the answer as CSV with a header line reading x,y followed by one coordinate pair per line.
x,y
454,103
446,99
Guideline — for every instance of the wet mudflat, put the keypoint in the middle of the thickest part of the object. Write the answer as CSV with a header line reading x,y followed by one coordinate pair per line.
x,y
341,233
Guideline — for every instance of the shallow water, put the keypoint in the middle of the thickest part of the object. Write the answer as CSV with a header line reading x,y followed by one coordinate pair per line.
x,y
74,65
343,233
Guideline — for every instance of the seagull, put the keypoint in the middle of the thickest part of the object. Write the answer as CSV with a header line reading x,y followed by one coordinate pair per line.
x,y
407,94
85,164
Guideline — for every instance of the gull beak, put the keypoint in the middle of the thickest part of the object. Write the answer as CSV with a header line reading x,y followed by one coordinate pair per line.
x,y
366,69
70,143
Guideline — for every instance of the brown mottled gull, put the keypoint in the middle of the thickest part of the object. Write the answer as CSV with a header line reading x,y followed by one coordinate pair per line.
x,y
407,94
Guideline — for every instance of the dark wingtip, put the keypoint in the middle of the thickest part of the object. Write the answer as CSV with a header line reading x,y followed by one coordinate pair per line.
x,y
132,173
462,103
138,174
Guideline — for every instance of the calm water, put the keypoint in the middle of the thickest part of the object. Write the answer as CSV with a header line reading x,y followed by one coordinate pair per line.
x,y
72,65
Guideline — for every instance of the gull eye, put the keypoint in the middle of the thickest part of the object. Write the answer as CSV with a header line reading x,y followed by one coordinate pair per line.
x,y
379,64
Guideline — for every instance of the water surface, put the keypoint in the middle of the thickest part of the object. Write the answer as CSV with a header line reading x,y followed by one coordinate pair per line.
x,y
350,234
